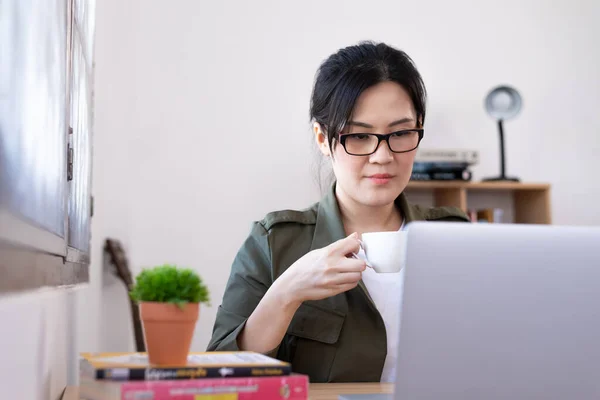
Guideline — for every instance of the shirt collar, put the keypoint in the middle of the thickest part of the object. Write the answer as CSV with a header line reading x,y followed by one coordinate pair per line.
x,y
329,227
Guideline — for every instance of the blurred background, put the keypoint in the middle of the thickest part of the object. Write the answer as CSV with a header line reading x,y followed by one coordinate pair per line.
x,y
202,116
201,127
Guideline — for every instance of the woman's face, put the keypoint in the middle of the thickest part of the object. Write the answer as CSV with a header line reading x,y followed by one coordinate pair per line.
x,y
376,179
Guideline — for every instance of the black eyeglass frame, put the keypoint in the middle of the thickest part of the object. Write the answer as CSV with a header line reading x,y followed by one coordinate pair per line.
x,y
381,137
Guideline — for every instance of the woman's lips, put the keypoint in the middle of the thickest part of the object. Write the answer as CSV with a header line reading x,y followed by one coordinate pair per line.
x,y
380,179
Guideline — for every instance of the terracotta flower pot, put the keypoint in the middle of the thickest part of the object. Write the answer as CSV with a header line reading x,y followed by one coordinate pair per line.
x,y
168,331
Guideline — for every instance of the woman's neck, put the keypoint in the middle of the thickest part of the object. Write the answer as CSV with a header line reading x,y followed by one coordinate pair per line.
x,y
360,218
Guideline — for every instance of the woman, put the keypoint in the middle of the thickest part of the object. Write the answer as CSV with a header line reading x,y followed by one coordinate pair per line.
x,y
294,293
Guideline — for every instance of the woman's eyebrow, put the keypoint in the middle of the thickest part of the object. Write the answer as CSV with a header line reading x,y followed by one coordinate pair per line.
x,y
401,121
397,122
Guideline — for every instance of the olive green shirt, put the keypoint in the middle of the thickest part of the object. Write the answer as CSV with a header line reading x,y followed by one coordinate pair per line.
x,y
338,339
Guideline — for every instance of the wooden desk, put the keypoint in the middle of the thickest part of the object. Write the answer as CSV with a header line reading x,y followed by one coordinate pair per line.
x,y
331,391
317,391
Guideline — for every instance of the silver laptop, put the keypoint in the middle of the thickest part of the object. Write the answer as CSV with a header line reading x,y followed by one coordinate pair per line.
x,y
499,311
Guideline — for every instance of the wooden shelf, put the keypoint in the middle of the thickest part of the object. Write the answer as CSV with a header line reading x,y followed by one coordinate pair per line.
x,y
477,185
530,202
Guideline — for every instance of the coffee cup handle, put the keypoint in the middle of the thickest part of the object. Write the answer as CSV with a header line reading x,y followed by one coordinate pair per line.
x,y
354,255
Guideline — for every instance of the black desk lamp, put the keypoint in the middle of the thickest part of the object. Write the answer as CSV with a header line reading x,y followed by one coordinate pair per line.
x,y
502,103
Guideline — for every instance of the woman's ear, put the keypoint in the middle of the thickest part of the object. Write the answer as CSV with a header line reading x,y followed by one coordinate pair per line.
x,y
321,139
420,122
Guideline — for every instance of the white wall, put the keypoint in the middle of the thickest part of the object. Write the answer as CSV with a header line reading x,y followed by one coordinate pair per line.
x,y
102,309
36,344
198,101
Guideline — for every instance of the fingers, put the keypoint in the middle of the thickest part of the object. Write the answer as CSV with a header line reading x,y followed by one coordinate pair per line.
x,y
345,287
349,244
346,264
347,278
347,272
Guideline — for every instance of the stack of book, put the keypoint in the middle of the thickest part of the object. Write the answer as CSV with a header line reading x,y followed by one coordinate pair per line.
x,y
444,165
207,376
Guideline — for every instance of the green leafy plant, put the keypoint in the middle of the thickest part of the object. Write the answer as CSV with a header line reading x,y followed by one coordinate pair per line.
x,y
169,284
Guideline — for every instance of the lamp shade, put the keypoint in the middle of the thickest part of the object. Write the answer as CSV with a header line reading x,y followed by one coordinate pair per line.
x,y
503,102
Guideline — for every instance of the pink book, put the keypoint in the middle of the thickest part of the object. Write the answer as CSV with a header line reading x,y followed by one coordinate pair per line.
x,y
291,387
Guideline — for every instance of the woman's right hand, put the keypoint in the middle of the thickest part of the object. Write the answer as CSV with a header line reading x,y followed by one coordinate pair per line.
x,y
319,274
323,272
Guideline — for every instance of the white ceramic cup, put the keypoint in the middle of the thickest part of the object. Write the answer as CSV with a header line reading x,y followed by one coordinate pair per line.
x,y
385,251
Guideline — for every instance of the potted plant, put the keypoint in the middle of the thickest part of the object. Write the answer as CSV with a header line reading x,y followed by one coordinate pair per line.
x,y
169,299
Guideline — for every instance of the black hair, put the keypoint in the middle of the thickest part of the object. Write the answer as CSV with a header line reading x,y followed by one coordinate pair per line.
x,y
344,75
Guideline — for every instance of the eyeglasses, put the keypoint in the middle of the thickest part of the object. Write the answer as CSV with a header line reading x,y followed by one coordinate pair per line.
x,y
364,144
